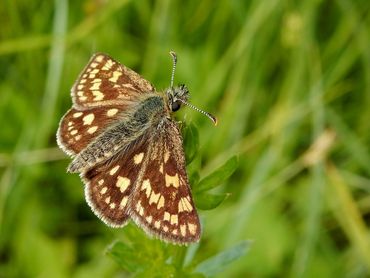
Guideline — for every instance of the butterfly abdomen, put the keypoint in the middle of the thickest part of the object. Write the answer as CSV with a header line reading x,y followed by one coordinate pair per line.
x,y
120,135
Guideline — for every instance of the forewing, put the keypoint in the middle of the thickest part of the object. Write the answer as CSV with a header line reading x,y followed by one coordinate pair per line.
x,y
162,203
105,81
78,128
108,186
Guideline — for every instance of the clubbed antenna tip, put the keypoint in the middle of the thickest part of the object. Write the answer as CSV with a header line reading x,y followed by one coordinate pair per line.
x,y
174,56
215,121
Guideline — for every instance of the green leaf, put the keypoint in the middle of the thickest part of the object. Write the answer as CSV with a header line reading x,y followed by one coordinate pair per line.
x,y
218,176
125,256
206,201
218,263
191,142
194,178
190,253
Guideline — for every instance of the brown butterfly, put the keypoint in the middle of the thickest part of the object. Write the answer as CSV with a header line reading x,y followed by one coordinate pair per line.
x,y
129,151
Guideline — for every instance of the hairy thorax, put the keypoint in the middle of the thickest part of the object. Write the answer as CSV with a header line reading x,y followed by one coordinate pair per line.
x,y
118,136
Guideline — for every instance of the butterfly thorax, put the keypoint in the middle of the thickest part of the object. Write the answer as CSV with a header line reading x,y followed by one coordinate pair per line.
x,y
119,135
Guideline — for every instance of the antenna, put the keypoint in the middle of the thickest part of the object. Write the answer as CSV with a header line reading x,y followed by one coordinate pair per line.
x,y
209,115
174,59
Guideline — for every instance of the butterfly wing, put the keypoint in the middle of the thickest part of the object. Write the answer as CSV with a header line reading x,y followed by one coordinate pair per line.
x,y
78,128
104,89
162,203
105,81
108,186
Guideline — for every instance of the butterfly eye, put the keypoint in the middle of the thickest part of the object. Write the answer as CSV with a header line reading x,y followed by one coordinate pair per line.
x,y
175,106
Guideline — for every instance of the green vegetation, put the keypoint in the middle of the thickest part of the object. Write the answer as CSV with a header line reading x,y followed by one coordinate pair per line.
x,y
282,183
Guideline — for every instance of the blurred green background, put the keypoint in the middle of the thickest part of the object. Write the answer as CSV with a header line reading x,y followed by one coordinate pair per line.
x,y
290,84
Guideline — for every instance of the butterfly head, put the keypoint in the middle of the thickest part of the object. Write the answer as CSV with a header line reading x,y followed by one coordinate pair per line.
x,y
177,96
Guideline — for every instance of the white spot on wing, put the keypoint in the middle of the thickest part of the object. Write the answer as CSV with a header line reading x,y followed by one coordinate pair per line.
x,y
122,183
172,180
98,95
88,119
139,208
77,114
93,73
123,202
185,205
108,65
192,228
138,158
183,230
114,170
116,75
92,129
95,86
112,112
149,219
147,187
174,219
154,198
166,216
99,58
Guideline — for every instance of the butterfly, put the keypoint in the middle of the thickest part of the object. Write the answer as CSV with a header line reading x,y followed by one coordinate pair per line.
x,y
129,151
